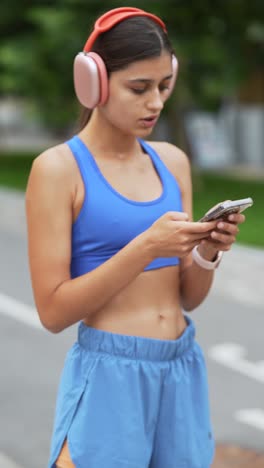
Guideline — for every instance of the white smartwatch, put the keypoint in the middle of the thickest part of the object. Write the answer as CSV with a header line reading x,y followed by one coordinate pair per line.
x,y
206,264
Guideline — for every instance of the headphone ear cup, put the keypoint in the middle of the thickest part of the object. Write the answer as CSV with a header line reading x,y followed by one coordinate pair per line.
x,y
175,66
90,79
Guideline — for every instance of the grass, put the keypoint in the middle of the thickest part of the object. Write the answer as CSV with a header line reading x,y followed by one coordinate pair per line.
x,y
209,189
14,170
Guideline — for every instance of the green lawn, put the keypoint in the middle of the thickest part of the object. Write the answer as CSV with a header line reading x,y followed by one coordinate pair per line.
x,y
209,189
14,170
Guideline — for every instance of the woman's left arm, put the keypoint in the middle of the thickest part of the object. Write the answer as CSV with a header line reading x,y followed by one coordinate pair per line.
x,y
195,280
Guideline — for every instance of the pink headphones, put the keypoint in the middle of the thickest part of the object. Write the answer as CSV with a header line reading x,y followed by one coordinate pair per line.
x,y
90,75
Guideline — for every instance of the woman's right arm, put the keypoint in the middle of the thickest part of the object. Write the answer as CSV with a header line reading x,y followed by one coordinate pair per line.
x,y
60,300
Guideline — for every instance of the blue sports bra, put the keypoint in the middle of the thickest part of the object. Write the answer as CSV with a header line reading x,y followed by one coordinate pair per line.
x,y
107,220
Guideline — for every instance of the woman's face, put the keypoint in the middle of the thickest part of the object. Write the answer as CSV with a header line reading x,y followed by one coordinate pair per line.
x,y
137,95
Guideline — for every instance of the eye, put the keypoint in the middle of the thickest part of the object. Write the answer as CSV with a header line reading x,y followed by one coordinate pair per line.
x,y
164,87
138,91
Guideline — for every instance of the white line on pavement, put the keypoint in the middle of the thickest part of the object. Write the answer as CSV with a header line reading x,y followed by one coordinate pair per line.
x,y
253,417
5,462
238,291
232,355
19,311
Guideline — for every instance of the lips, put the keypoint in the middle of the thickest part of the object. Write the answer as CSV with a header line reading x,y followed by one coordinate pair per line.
x,y
151,117
149,121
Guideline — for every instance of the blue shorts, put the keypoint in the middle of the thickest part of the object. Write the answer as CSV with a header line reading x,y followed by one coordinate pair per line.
x,y
134,402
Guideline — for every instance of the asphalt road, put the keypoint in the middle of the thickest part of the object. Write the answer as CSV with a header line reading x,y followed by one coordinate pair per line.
x,y
230,326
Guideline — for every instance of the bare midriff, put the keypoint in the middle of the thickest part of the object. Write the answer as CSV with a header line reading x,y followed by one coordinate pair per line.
x,y
148,307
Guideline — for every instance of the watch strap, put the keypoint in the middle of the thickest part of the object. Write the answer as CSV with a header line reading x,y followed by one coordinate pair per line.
x,y
206,264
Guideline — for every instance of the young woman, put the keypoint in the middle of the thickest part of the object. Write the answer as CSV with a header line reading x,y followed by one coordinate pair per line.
x,y
112,245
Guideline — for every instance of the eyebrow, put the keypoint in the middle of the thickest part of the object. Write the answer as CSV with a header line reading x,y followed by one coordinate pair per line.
x,y
146,80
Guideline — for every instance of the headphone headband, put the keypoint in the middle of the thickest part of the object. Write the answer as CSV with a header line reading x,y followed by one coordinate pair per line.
x,y
112,17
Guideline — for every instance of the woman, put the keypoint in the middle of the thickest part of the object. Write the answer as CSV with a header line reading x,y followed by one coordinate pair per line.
x,y
112,245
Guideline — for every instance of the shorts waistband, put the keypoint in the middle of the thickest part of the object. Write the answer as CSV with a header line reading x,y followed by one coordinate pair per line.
x,y
136,347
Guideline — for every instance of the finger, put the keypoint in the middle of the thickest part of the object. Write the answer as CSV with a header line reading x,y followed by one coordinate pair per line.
x,y
197,227
236,218
227,227
222,237
199,236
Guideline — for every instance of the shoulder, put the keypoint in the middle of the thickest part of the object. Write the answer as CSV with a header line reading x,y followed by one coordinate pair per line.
x,y
52,170
174,158
56,161
54,165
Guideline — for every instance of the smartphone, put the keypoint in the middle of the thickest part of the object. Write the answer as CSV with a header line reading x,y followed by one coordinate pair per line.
x,y
225,208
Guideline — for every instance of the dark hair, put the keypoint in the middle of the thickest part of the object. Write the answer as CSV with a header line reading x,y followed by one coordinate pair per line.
x,y
135,38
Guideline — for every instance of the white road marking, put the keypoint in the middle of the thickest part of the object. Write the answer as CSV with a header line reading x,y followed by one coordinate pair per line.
x,y
5,462
240,292
253,417
19,311
232,355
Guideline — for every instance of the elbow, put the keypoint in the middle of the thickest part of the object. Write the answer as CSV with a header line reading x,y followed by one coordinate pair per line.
x,y
188,304
53,329
188,307
49,322
51,326
50,314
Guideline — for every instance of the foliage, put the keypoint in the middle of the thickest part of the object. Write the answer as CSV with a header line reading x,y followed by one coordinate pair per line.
x,y
214,188
14,169
217,44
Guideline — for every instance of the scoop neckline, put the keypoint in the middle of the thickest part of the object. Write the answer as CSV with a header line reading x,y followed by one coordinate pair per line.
x,y
113,190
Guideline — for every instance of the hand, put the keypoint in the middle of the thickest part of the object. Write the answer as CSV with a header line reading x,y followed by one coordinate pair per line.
x,y
223,237
173,235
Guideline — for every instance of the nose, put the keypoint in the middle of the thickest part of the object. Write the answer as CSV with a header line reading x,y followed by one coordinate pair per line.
x,y
155,102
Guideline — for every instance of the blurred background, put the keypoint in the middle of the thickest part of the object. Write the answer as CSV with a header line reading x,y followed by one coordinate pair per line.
x,y
216,115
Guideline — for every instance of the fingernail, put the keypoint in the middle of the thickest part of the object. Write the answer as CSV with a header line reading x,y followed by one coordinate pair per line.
x,y
220,225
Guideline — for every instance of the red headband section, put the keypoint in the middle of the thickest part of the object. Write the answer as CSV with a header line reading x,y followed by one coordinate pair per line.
x,y
112,17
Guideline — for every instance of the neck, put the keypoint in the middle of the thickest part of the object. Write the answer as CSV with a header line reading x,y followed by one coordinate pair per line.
x,y
103,138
